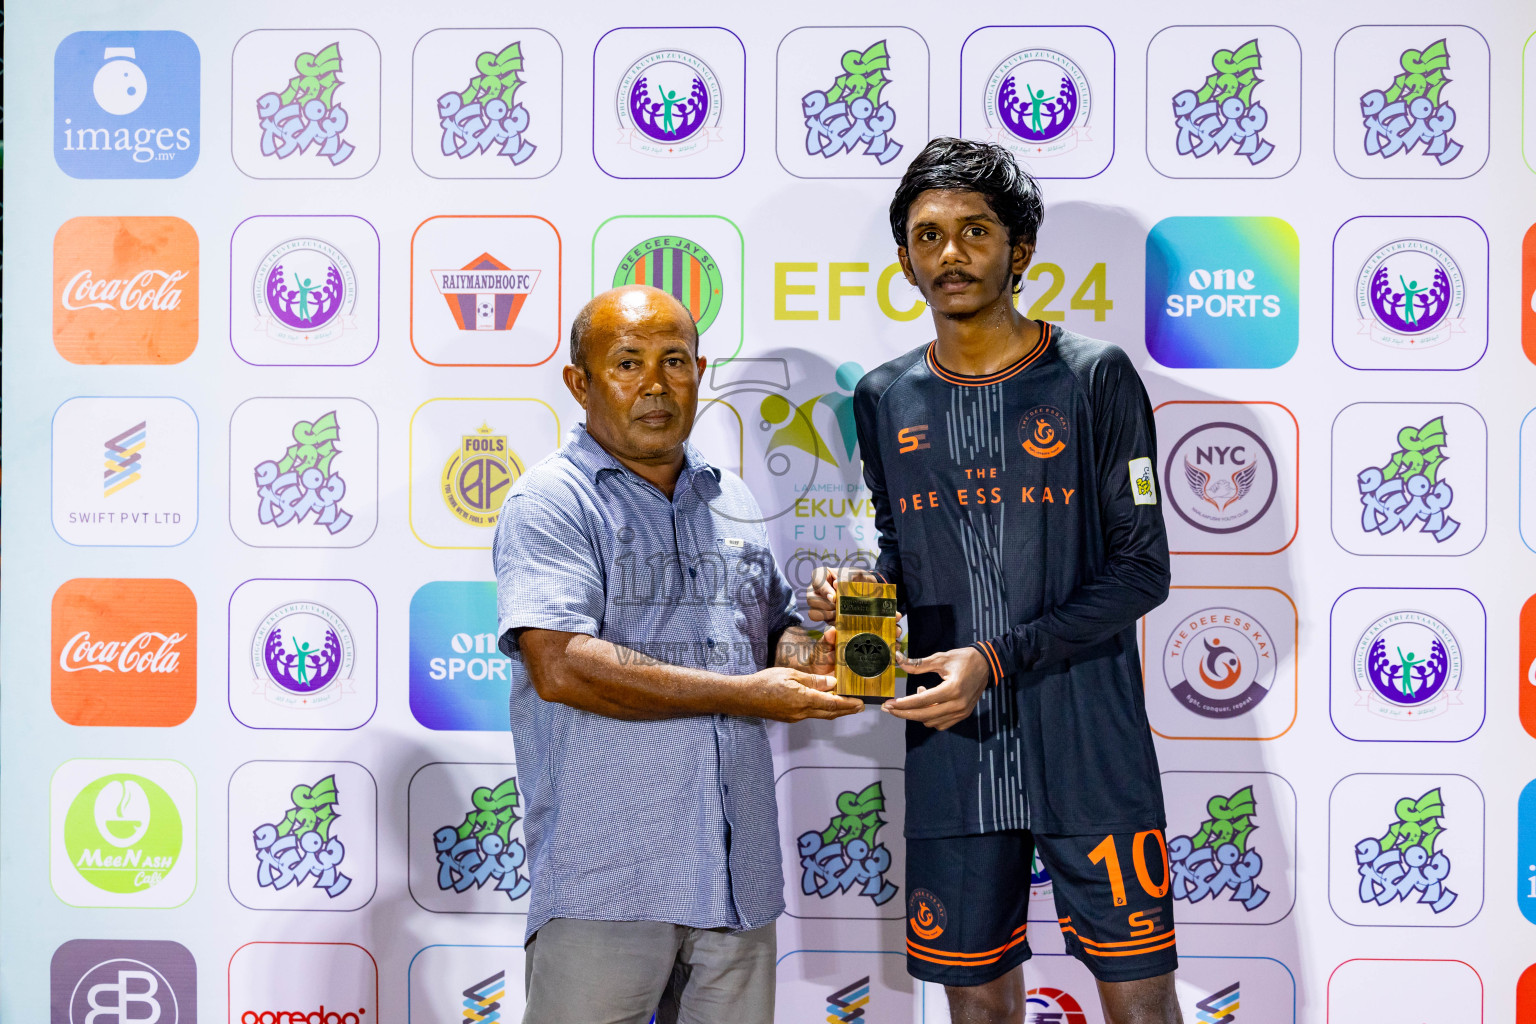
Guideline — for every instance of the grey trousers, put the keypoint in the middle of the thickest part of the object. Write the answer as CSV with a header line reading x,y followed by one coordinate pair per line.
x,y
620,972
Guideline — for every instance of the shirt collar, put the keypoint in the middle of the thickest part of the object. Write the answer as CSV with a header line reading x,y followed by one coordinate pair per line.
x,y
594,460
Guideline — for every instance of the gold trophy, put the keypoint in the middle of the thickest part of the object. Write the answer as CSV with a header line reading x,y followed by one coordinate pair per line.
x,y
866,640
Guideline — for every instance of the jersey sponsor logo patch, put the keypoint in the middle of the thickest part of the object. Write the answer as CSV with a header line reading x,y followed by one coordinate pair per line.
x,y
1143,487
913,439
926,916
1043,432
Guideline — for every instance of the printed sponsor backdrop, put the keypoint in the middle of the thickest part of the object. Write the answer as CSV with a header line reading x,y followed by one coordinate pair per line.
x,y
289,292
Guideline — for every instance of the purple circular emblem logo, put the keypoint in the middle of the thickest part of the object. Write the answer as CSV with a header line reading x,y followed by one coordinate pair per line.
x,y
1040,98
669,98
299,652
1409,293
304,290
1407,663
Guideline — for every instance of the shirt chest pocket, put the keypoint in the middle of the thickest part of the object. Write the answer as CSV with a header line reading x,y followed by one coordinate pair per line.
x,y
746,575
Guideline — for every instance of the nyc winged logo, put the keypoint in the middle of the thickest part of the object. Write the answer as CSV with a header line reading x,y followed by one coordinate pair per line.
x,y
1221,493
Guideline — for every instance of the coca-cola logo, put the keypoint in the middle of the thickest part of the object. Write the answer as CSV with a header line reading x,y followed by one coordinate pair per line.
x,y
320,1016
146,652
144,291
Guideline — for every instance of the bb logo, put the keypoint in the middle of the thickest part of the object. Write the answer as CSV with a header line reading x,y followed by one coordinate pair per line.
x,y
1408,665
1527,666
459,679
124,652
675,105
1397,490
451,981
125,471
1231,846
121,981
696,259
841,93
926,916
126,104
487,103
835,824
1411,101
1406,850
307,290
123,833
125,290
466,453
469,307
305,103
1043,431
1223,101
1409,293
303,472
1044,92
303,654
1230,476
1213,280
466,840
303,835
303,982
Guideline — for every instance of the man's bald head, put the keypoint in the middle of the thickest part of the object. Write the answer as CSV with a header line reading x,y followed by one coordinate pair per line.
x,y
629,305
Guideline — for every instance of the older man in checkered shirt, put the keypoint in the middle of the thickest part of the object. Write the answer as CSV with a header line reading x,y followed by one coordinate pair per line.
x,y
650,632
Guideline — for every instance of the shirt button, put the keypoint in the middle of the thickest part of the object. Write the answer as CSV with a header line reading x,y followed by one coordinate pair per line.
x,y
693,573
711,643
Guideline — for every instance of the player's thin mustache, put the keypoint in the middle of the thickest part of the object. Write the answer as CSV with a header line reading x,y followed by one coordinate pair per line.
x,y
955,275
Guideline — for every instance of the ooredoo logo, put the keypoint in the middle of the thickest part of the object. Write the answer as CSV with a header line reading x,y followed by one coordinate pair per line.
x,y
124,652
125,290
126,104
303,983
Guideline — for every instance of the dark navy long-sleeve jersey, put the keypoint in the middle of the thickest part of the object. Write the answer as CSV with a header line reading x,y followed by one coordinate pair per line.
x,y
1020,513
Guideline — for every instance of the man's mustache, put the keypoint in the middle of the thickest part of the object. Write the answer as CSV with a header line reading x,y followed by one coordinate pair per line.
x,y
646,406
954,275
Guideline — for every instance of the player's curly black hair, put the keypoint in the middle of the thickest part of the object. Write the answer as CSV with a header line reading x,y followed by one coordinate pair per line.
x,y
961,165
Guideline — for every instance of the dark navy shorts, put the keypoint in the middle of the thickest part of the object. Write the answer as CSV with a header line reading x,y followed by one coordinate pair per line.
x,y
968,902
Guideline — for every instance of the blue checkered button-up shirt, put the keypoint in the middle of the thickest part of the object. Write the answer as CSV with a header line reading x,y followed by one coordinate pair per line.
x,y
643,821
